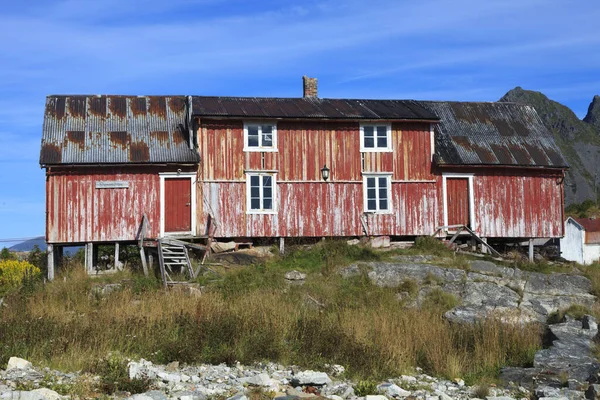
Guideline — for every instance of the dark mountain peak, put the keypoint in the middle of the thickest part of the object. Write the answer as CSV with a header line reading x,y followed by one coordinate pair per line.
x,y
593,114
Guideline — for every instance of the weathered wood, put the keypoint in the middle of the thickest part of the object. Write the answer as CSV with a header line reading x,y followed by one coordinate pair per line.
x,y
143,258
51,259
89,258
458,231
150,261
161,264
484,249
117,262
531,259
281,246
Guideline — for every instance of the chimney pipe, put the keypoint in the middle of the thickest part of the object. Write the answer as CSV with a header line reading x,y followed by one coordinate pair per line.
x,y
310,86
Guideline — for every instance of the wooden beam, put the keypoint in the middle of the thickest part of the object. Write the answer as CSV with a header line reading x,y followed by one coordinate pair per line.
x,y
281,246
531,259
143,258
117,262
51,260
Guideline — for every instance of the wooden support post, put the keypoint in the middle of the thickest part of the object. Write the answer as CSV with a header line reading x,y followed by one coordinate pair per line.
x,y
151,261
94,257
484,249
143,257
531,250
51,260
89,258
281,246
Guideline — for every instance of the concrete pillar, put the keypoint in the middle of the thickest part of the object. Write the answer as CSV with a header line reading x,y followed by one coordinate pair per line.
x,y
531,250
51,260
484,249
281,246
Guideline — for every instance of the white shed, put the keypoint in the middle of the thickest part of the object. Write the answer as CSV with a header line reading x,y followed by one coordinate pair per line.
x,y
582,240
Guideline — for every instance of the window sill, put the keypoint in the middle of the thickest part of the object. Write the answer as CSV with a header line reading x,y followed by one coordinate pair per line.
x,y
260,150
363,150
378,212
261,212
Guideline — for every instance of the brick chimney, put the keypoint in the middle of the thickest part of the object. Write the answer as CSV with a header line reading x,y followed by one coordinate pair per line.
x,y
310,86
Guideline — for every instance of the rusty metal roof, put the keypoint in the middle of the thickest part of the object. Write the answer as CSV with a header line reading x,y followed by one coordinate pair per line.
x,y
309,108
591,226
115,129
492,134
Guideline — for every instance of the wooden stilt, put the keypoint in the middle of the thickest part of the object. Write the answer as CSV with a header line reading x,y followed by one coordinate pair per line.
x,y
51,260
484,249
151,261
117,262
89,258
143,257
531,250
281,246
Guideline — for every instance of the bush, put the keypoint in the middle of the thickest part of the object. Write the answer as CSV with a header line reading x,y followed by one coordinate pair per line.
x,y
114,376
14,272
365,388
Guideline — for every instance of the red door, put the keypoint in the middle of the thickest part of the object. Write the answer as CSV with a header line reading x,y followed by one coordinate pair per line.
x,y
178,205
457,195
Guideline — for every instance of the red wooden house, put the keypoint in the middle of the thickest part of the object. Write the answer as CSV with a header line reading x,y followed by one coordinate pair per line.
x,y
256,167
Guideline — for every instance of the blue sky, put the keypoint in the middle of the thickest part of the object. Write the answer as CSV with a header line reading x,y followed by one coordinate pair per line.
x,y
438,50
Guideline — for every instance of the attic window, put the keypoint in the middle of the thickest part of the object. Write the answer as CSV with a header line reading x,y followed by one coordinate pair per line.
x,y
375,137
260,137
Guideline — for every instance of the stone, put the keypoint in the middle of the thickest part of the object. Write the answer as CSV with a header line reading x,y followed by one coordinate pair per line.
x,y
593,392
442,395
221,247
172,366
48,394
379,242
295,276
298,393
353,242
334,397
18,363
375,397
151,395
258,380
393,390
311,378
336,370
238,396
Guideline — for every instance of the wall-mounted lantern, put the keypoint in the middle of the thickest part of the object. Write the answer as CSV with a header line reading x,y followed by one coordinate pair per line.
x,y
325,172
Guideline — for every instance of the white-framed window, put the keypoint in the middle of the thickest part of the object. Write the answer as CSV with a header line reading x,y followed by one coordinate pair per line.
x,y
261,193
260,136
375,137
377,192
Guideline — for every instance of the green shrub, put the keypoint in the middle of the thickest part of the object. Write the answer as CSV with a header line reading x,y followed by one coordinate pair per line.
x,y
114,376
365,388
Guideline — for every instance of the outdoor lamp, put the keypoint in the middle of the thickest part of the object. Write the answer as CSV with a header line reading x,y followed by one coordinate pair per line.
x,y
325,172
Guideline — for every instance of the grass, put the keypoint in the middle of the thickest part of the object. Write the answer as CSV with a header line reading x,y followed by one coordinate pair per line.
x,y
253,315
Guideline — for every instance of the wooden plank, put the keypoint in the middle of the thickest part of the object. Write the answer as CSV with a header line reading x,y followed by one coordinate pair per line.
x,y
51,260
143,257
161,263
531,259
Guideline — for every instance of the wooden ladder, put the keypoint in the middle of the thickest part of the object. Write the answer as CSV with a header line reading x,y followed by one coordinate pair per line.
x,y
173,258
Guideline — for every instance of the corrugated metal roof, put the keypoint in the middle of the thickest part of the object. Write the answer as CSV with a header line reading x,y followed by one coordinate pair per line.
x,y
309,107
115,130
492,134
592,229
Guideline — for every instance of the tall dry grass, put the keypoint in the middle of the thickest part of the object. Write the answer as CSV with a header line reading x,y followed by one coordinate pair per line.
x,y
252,315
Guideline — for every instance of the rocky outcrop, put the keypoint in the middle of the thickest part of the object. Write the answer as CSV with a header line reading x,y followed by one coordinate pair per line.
x,y
593,115
238,382
567,366
484,289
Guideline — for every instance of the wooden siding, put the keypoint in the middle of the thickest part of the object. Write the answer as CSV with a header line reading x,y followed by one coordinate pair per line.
x,y
78,212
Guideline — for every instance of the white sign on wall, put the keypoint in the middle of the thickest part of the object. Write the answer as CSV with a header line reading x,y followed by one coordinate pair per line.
x,y
112,185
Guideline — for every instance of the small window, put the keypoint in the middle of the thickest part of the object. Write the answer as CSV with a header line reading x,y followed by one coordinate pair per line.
x,y
260,137
260,193
375,137
377,193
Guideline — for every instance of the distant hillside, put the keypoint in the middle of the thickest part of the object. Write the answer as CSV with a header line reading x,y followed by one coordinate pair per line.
x,y
578,139
29,244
